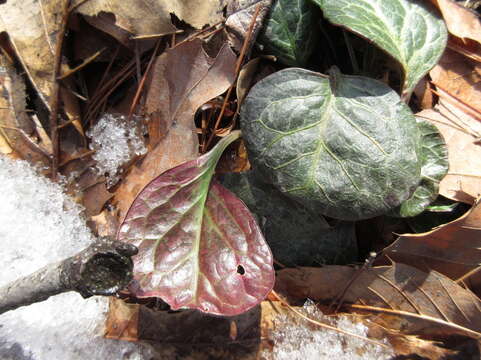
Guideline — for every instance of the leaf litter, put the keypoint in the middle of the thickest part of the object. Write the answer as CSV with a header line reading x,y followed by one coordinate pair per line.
x,y
171,71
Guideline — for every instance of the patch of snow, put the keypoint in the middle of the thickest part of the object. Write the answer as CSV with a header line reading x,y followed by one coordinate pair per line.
x,y
295,338
115,141
39,224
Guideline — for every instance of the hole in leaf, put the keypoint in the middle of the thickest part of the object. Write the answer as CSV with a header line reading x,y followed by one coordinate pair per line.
x,y
240,270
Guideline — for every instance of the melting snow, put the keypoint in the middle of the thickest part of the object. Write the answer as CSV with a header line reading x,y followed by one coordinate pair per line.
x,y
115,141
296,339
39,224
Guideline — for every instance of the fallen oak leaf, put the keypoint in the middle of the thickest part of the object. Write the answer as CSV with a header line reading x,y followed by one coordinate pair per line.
x,y
183,79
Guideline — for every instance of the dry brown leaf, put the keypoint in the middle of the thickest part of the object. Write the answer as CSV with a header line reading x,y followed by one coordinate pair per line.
x,y
122,321
460,77
411,347
417,302
4,147
86,184
452,249
461,133
104,224
239,18
16,127
178,146
460,21
32,27
183,79
147,17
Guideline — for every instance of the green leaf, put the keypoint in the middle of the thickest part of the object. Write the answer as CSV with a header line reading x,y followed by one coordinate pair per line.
x,y
345,146
410,31
199,246
290,31
434,158
296,235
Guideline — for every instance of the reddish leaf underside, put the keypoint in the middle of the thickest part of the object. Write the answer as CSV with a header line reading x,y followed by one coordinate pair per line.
x,y
199,246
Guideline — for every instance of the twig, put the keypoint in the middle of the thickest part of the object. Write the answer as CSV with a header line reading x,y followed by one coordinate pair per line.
x,y
103,268
82,65
101,83
142,81
193,36
468,274
54,99
154,36
340,297
240,60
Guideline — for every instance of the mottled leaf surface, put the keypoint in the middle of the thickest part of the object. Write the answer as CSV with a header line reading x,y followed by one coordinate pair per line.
x,y
434,158
345,145
290,31
296,235
199,246
410,31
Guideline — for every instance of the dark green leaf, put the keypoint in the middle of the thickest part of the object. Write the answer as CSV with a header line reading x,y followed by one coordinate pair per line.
x,y
345,146
410,31
434,157
199,246
296,235
290,31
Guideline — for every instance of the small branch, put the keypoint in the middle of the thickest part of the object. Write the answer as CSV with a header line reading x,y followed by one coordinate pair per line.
x,y
104,268
54,96
238,67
